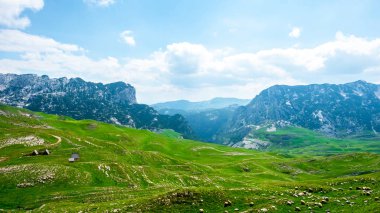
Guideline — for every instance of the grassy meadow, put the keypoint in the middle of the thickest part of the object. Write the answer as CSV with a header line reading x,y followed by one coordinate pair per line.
x,y
128,170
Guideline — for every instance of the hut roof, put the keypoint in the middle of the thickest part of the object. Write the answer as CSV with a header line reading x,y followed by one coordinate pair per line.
x,y
35,152
75,155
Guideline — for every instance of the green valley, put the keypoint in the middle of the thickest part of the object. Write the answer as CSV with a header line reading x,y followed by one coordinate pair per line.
x,y
129,170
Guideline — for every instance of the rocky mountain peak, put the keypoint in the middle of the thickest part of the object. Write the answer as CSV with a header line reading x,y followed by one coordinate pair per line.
x,y
29,86
335,110
74,97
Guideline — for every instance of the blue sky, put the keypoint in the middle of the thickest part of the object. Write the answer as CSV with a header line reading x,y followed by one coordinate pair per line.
x,y
177,49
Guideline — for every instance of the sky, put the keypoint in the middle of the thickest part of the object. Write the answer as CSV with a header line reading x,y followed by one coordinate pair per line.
x,y
193,49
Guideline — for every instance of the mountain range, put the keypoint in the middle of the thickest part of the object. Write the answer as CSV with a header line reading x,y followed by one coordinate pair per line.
x,y
338,111
343,110
334,110
112,103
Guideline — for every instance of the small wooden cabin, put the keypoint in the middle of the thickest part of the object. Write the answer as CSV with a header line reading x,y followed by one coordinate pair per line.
x,y
74,157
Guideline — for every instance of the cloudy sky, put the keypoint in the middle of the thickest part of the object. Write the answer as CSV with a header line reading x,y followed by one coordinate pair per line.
x,y
193,49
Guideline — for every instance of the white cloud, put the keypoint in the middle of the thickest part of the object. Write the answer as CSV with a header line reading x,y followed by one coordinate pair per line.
x,y
43,55
101,3
11,12
17,41
295,33
127,37
192,71
187,58
185,70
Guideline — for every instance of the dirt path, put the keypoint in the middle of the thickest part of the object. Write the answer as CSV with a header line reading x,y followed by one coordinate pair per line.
x,y
59,140
88,142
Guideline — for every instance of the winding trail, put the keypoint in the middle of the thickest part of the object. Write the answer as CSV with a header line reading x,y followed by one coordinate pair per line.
x,y
59,140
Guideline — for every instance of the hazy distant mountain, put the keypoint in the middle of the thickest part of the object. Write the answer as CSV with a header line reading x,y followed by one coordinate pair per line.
x,y
207,124
335,110
184,105
206,118
112,103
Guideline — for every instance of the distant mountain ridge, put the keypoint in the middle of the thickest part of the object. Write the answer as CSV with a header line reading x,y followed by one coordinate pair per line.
x,y
215,103
335,110
205,118
111,103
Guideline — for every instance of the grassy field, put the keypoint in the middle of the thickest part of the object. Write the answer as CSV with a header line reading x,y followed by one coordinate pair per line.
x,y
128,170
301,141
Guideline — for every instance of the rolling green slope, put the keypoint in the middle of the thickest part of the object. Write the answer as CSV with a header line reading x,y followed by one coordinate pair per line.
x,y
128,170
298,141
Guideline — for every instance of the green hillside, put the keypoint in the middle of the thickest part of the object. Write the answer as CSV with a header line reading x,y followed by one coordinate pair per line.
x,y
128,170
298,141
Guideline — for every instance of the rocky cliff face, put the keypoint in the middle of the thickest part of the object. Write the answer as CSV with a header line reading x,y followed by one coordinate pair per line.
x,y
25,89
336,110
112,103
